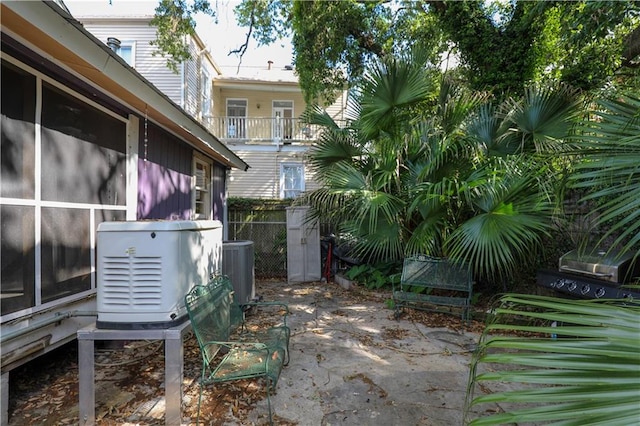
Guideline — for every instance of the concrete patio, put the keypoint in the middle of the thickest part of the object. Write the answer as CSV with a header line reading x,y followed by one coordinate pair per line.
x,y
352,363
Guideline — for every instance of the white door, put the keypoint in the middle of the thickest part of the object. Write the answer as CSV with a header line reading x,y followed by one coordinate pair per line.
x,y
282,120
237,118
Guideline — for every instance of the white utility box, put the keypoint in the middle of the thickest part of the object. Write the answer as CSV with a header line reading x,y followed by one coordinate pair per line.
x,y
144,269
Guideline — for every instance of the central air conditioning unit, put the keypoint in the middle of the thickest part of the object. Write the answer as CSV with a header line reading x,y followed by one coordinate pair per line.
x,y
144,269
238,265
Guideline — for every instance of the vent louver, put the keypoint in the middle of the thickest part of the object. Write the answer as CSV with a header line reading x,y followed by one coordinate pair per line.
x,y
132,281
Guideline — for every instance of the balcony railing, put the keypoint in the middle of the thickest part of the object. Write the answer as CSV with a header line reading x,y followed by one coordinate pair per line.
x,y
262,129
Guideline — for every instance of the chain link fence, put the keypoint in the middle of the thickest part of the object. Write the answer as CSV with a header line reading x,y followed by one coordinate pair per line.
x,y
267,228
265,223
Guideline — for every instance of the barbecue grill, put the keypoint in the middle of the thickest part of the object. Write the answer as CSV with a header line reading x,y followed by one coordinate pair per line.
x,y
593,274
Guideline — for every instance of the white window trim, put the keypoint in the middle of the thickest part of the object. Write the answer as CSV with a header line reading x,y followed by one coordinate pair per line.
x,y
246,106
199,159
273,103
277,128
282,180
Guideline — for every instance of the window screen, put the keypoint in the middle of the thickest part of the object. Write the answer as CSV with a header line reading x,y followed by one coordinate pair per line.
x,y
66,254
83,152
18,258
18,133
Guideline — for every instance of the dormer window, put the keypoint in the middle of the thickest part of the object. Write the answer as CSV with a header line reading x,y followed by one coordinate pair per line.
x,y
124,49
126,52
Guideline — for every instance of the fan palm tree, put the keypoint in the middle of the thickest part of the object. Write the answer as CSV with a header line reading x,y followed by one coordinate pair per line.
x,y
609,146
426,167
362,168
586,369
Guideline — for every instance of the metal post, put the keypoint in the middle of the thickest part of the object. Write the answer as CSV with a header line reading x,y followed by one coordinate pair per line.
x,y
173,360
86,384
4,406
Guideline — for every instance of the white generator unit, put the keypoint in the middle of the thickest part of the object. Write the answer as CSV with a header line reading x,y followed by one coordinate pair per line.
x,y
144,269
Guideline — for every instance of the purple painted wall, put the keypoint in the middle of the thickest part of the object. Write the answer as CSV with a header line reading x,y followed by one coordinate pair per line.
x,y
163,193
164,177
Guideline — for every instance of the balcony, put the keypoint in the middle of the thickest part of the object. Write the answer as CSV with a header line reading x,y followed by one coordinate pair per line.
x,y
262,130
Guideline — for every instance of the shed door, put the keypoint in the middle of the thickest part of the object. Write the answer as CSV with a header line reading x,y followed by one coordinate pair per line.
x,y
303,247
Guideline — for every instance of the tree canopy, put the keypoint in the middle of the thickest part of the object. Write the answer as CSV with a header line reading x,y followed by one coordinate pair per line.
x,y
501,46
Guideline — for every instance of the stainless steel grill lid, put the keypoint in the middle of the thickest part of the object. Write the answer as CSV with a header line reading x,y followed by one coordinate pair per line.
x,y
600,265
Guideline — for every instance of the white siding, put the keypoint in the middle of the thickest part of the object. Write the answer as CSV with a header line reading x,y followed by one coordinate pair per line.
x,y
262,180
153,68
192,81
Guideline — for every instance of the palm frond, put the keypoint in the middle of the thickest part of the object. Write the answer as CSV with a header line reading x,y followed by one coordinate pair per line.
x,y
609,149
581,367
455,105
511,214
543,120
390,86
334,147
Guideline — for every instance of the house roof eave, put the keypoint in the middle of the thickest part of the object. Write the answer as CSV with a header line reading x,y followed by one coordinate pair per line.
x,y
64,40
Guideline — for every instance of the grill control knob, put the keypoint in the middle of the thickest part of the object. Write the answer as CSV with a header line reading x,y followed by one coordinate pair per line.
x,y
559,283
585,289
600,292
572,286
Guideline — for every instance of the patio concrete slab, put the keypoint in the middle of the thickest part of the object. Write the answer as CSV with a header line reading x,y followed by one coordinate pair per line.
x,y
353,363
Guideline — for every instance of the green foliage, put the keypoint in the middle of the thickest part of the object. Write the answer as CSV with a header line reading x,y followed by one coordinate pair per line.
x,y
375,276
506,45
609,149
174,20
333,41
496,55
502,46
578,365
267,19
427,167
239,203
596,41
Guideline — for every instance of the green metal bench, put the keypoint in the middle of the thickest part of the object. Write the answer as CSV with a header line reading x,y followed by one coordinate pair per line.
x,y
229,350
428,281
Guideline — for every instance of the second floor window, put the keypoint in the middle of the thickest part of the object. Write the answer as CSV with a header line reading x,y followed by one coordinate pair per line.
x,y
206,95
236,118
125,51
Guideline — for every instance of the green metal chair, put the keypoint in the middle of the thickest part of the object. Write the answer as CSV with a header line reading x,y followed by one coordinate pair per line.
x,y
229,352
